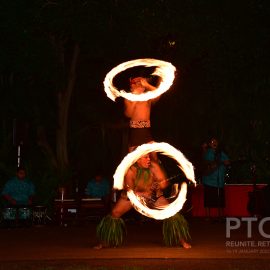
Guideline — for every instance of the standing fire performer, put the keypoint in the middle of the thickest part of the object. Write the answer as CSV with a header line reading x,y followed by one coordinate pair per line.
x,y
147,180
139,114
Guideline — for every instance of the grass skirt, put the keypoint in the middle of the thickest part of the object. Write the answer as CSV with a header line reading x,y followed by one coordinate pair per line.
x,y
175,229
110,231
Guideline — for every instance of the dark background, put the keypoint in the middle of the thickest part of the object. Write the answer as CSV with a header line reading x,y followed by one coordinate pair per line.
x,y
51,48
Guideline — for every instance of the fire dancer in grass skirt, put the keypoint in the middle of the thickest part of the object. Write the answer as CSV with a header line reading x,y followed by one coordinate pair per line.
x,y
147,180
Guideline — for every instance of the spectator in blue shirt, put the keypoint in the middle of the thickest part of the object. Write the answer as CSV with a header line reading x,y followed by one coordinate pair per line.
x,y
98,187
18,191
215,162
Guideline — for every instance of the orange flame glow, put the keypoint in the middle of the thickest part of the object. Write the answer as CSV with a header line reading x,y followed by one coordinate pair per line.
x,y
165,149
163,212
165,70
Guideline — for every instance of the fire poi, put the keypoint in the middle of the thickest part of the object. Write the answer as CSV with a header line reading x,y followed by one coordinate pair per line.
x,y
165,149
163,69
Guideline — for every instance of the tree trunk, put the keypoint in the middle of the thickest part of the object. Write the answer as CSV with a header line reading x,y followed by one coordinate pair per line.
x,y
63,113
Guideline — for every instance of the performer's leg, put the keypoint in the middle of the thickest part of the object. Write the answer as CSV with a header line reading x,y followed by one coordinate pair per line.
x,y
161,201
185,244
176,231
175,228
122,206
112,227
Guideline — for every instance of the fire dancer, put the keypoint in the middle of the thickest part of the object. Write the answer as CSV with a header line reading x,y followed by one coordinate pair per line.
x,y
147,180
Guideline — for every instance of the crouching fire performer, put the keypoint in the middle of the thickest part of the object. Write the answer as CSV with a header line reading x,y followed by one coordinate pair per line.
x,y
147,179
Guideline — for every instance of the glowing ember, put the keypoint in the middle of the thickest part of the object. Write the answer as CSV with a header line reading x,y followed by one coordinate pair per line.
x,y
165,149
163,69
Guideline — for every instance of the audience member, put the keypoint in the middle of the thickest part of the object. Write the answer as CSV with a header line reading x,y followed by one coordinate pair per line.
x,y
215,162
99,187
18,193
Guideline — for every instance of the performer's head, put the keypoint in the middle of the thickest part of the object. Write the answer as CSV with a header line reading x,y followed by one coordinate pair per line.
x,y
213,143
144,161
21,173
136,85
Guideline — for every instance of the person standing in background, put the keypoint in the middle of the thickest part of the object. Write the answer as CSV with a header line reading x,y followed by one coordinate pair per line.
x,y
214,164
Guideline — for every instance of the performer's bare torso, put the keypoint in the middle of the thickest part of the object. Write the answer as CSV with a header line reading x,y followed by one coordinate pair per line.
x,y
143,184
138,110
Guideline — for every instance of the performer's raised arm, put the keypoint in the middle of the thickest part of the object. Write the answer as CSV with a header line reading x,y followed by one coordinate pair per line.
x,y
147,85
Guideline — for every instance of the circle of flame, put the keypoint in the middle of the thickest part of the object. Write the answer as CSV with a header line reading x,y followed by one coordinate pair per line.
x,y
165,149
165,70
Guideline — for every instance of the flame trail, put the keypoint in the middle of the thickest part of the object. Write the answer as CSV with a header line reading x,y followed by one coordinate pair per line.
x,y
166,211
165,70
165,149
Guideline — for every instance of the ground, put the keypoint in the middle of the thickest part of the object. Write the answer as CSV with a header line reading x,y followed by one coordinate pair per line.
x,y
71,247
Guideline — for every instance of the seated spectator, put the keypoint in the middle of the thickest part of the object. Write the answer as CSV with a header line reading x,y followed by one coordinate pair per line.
x,y
18,195
99,187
